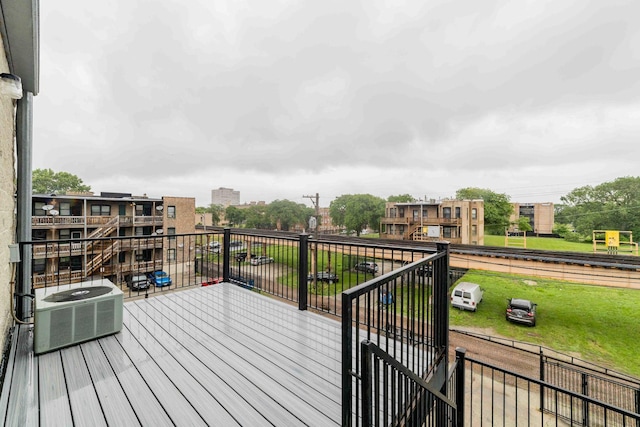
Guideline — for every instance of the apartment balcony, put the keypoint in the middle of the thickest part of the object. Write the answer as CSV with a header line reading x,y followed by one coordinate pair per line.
x,y
269,345
49,221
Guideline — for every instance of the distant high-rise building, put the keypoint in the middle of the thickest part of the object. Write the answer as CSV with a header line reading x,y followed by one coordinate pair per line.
x,y
225,197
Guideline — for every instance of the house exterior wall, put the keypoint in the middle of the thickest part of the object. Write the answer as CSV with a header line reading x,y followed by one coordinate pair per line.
x,y
325,225
542,216
457,221
7,202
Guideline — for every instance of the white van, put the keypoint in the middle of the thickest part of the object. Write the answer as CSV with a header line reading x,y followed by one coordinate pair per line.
x,y
466,296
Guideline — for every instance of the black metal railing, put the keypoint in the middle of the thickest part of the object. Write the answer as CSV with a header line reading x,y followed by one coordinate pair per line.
x,y
623,394
492,396
393,395
296,268
403,312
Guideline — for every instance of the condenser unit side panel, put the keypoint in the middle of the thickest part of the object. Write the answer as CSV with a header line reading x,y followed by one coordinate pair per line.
x,y
62,324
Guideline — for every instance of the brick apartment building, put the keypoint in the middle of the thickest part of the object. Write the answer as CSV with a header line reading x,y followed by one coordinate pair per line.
x,y
541,216
77,216
457,221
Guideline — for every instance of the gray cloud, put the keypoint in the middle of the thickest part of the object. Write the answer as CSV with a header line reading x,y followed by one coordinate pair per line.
x,y
271,98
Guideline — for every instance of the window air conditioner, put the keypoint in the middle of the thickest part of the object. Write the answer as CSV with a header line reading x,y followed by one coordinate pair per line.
x,y
70,314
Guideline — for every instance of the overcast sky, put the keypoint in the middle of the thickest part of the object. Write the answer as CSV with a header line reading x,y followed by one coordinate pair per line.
x,y
280,99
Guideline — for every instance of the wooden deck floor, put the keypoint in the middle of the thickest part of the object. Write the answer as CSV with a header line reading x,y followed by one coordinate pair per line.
x,y
218,355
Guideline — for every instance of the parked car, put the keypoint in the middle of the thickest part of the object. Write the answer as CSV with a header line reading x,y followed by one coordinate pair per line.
x,y
521,311
367,267
160,278
138,282
214,246
323,276
259,260
242,256
236,245
466,296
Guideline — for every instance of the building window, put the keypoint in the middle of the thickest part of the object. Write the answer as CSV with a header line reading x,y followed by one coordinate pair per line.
x,y
474,213
474,230
39,235
446,213
122,257
39,266
446,232
171,231
64,234
171,254
74,263
100,210
416,214
424,213
171,211
65,209
457,212
37,209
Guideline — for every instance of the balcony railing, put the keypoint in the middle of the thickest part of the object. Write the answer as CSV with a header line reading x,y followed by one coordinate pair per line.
x,y
394,299
94,221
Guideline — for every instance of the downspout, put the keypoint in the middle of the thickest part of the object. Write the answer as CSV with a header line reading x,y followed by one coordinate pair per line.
x,y
24,146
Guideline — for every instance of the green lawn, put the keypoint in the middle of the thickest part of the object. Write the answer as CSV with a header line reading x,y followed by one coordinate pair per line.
x,y
595,323
541,243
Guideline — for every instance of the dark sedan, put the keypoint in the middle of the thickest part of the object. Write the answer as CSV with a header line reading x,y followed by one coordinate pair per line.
x,y
521,311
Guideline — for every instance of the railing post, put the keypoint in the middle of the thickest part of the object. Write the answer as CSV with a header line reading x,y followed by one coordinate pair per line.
x,y
441,318
585,405
366,373
541,379
226,256
303,268
347,380
460,382
637,394
440,300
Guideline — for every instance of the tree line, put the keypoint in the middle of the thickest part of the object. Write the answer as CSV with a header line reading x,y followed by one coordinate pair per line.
x,y
608,206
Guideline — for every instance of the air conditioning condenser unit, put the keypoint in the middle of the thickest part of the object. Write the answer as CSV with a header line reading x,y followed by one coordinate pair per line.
x,y
74,313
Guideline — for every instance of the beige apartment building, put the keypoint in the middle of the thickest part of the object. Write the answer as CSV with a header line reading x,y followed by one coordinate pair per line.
x,y
541,216
225,197
457,221
77,216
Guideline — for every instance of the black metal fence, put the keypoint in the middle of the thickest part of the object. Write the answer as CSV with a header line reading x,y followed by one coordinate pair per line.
x,y
293,267
393,395
618,392
492,396
404,313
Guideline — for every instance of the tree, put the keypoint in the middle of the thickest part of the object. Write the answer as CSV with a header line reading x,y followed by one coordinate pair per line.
x,y
607,206
257,217
497,208
523,224
287,213
46,181
401,198
213,209
357,211
235,216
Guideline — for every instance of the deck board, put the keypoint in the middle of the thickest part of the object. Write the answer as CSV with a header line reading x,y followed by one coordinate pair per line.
x,y
54,403
114,402
216,355
22,404
84,402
